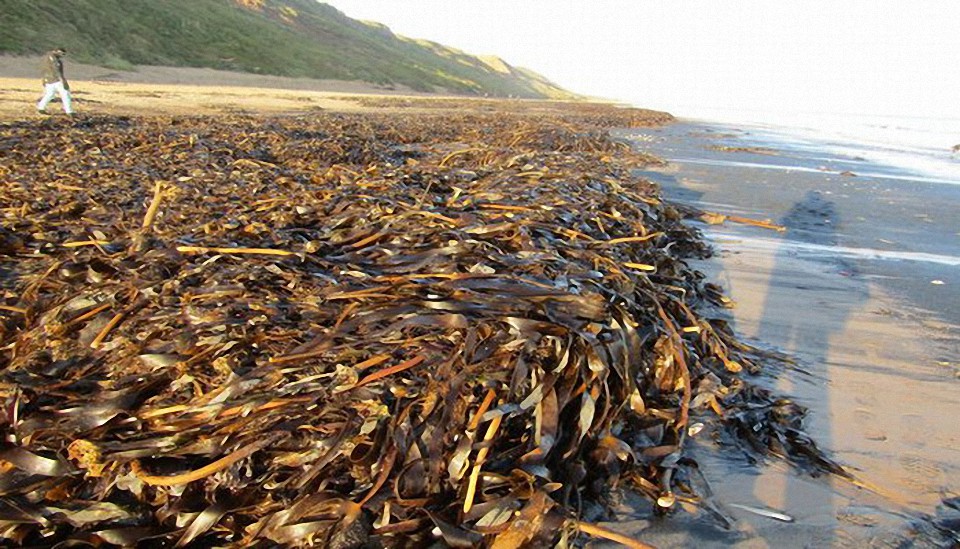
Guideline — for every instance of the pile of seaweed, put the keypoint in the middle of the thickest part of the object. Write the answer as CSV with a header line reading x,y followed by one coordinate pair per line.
x,y
352,330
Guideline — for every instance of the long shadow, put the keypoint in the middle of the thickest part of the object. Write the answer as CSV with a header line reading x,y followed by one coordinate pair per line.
x,y
804,306
800,318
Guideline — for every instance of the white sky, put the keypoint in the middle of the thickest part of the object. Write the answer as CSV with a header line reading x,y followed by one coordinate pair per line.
x,y
826,56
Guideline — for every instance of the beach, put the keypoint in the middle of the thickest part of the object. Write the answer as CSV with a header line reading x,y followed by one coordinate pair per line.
x,y
862,290
150,90
859,294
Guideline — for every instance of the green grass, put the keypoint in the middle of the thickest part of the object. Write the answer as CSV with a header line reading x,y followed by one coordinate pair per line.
x,y
288,38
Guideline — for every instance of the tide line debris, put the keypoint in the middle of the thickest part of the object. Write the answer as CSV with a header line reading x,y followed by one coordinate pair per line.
x,y
352,331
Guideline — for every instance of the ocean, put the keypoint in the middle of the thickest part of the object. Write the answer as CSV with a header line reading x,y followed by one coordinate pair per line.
x,y
898,146
869,196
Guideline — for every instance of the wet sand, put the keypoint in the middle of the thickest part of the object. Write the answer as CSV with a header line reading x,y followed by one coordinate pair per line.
x,y
876,344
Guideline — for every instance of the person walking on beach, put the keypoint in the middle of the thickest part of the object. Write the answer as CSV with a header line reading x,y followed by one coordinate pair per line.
x,y
54,82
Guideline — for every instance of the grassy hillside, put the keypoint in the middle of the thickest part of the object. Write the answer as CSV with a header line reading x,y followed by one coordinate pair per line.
x,y
282,37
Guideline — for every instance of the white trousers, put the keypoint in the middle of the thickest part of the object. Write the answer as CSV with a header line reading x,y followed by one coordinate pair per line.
x,y
56,88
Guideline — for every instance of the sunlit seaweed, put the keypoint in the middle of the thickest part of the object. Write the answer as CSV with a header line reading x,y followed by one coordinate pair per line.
x,y
352,330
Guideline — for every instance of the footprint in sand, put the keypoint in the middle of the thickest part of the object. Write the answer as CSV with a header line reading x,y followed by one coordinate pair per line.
x,y
867,423
923,474
916,431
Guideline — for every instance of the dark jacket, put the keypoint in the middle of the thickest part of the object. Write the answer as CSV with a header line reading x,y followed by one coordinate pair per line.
x,y
53,69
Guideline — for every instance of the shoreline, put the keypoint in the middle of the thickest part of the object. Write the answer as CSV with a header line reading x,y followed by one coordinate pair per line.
x,y
901,234
876,357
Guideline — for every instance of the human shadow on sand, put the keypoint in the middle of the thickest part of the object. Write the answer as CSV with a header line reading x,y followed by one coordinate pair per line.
x,y
800,317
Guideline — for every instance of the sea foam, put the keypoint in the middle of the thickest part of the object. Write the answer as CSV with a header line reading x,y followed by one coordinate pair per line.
x,y
909,147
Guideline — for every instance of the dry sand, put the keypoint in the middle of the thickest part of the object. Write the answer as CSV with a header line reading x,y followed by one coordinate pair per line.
x,y
177,91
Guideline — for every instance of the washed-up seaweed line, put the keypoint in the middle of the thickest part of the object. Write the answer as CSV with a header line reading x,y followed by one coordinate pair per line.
x,y
351,331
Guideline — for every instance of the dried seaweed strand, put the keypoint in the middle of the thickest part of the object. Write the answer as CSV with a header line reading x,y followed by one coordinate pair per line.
x,y
371,362
98,341
81,243
205,471
601,532
385,467
405,365
149,414
482,409
67,187
478,463
298,356
507,207
457,153
87,315
264,407
640,266
255,251
764,224
625,239
377,291
347,311
368,240
684,369
154,206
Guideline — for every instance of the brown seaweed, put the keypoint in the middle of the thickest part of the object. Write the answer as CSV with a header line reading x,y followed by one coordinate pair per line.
x,y
352,330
